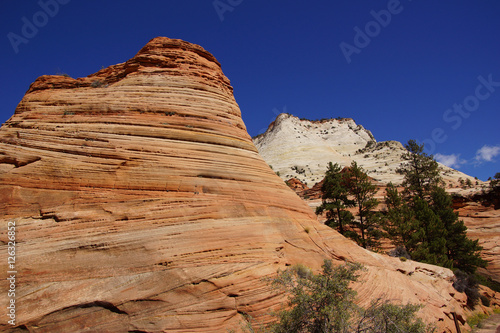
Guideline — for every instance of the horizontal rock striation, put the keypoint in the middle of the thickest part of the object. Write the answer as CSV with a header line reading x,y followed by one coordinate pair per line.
x,y
142,205
482,221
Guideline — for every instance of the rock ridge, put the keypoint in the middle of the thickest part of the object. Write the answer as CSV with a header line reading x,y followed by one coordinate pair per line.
x,y
291,144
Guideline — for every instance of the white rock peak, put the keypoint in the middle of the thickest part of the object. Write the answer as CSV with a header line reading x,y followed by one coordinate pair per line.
x,y
303,148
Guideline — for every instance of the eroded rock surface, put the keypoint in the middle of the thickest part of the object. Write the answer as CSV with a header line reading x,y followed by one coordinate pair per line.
x,y
483,223
141,204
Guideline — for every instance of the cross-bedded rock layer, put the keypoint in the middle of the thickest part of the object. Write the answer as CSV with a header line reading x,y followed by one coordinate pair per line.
x,y
141,204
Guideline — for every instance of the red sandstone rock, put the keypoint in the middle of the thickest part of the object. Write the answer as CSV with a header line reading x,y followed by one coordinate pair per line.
x,y
141,204
296,185
483,224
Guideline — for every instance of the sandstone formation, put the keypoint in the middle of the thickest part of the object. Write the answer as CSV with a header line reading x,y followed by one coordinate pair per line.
x,y
142,205
483,223
303,148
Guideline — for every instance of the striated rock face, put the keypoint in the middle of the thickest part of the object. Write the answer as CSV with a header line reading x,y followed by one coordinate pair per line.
x,y
482,221
302,149
141,204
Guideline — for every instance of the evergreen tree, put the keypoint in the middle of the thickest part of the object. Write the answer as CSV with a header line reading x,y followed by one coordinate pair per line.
x,y
462,252
494,191
335,199
421,171
495,183
361,188
428,242
399,219
423,221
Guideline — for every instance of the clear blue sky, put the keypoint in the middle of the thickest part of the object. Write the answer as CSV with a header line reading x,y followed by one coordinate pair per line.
x,y
287,56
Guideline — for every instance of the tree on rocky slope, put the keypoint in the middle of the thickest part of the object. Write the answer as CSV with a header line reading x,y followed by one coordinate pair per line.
x,y
464,253
363,191
398,221
347,188
495,183
421,171
494,190
335,199
422,218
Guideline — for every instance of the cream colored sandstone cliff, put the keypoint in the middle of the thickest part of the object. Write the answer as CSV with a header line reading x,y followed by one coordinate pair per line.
x,y
302,149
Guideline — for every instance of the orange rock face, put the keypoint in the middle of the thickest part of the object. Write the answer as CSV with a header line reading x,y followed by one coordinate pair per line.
x,y
141,204
483,224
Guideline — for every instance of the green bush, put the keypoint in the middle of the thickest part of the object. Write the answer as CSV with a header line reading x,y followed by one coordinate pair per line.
x,y
476,319
488,282
485,300
325,303
97,84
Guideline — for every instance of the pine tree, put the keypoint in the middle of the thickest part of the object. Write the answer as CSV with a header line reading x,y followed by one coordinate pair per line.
x,y
428,243
462,252
361,188
494,191
421,171
335,199
398,222
423,219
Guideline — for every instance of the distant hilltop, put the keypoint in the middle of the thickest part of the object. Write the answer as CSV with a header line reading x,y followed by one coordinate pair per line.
x,y
302,149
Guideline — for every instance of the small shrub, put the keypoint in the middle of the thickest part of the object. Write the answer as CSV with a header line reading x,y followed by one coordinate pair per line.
x,y
485,300
97,84
400,251
488,282
476,318
467,283
307,230
403,259
324,302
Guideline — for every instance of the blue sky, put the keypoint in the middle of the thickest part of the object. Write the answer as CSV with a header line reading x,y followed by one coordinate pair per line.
x,y
421,69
